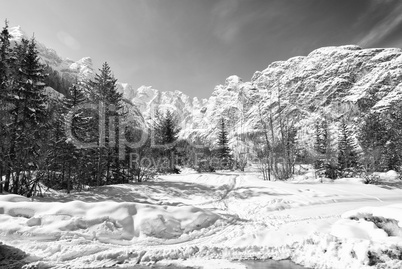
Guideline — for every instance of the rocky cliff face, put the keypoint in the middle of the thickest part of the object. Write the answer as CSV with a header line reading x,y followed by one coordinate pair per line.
x,y
329,82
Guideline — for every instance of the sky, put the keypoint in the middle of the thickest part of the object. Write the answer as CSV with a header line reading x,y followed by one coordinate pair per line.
x,y
194,45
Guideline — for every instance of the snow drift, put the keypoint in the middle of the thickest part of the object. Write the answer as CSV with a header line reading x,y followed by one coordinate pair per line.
x,y
101,220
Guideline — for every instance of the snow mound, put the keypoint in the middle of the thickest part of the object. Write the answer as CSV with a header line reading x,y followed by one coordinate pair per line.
x,y
101,220
13,198
391,175
371,223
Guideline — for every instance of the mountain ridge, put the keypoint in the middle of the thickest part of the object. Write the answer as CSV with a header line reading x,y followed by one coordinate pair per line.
x,y
365,79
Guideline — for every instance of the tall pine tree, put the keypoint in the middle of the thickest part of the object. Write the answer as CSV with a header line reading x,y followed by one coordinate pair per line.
x,y
166,130
29,114
103,90
223,150
347,152
5,69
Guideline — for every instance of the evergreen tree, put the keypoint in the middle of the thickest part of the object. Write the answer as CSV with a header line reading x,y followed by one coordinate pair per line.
x,y
373,137
321,146
223,151
60,154
166,130
347,153
5,61
392,159
56,81
103,89
65,161
5,55
79,123
321,137
29,113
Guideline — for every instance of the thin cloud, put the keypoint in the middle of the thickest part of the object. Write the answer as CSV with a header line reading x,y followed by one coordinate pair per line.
x,y
226,26
383,28
68,40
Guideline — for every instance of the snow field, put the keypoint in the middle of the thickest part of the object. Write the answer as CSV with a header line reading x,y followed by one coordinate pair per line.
x,y
209,220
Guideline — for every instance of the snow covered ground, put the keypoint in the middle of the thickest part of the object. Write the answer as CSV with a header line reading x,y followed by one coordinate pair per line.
x,y
207,221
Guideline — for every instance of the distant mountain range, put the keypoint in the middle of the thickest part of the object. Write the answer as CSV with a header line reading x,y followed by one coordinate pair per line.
x,y
329,82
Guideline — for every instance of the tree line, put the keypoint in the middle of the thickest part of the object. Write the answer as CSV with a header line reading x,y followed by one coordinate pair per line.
x,y
39,133
78,138
338,146
34,145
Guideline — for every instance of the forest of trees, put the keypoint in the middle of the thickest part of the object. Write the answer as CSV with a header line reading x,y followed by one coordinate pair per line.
x,y
76,140
34,144
342,145
67,142
374,146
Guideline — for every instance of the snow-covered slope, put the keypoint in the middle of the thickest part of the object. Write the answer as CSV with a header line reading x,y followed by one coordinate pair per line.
x,y
330,80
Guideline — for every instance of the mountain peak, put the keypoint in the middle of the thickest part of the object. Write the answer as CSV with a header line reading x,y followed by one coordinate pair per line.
x,y
17,33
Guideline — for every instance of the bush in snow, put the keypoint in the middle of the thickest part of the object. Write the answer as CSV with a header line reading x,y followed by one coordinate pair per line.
x,y
370,178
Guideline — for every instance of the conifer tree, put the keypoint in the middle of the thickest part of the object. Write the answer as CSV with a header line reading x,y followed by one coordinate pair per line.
x,y
223,151
103,89
166,130
321,137
373,136
57,81
29,112
60,153
347,154
79,122
5,60
392,121
63,156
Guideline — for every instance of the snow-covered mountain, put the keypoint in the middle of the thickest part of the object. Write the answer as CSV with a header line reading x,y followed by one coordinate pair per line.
x,y
81,69
329,81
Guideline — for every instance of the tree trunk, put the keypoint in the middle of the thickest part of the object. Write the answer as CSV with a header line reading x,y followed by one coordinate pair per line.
x,y
69,179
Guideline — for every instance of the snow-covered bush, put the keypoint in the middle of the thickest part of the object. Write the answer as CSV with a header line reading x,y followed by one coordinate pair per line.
x,y
142,174
370,178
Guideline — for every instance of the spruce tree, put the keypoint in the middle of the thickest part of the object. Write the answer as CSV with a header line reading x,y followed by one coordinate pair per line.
x,y
223,151
78,122
321,137
103,89
165,131
5,60
321,144
166,128
347,153
60,154
29,113
373,136
392,159
65,160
